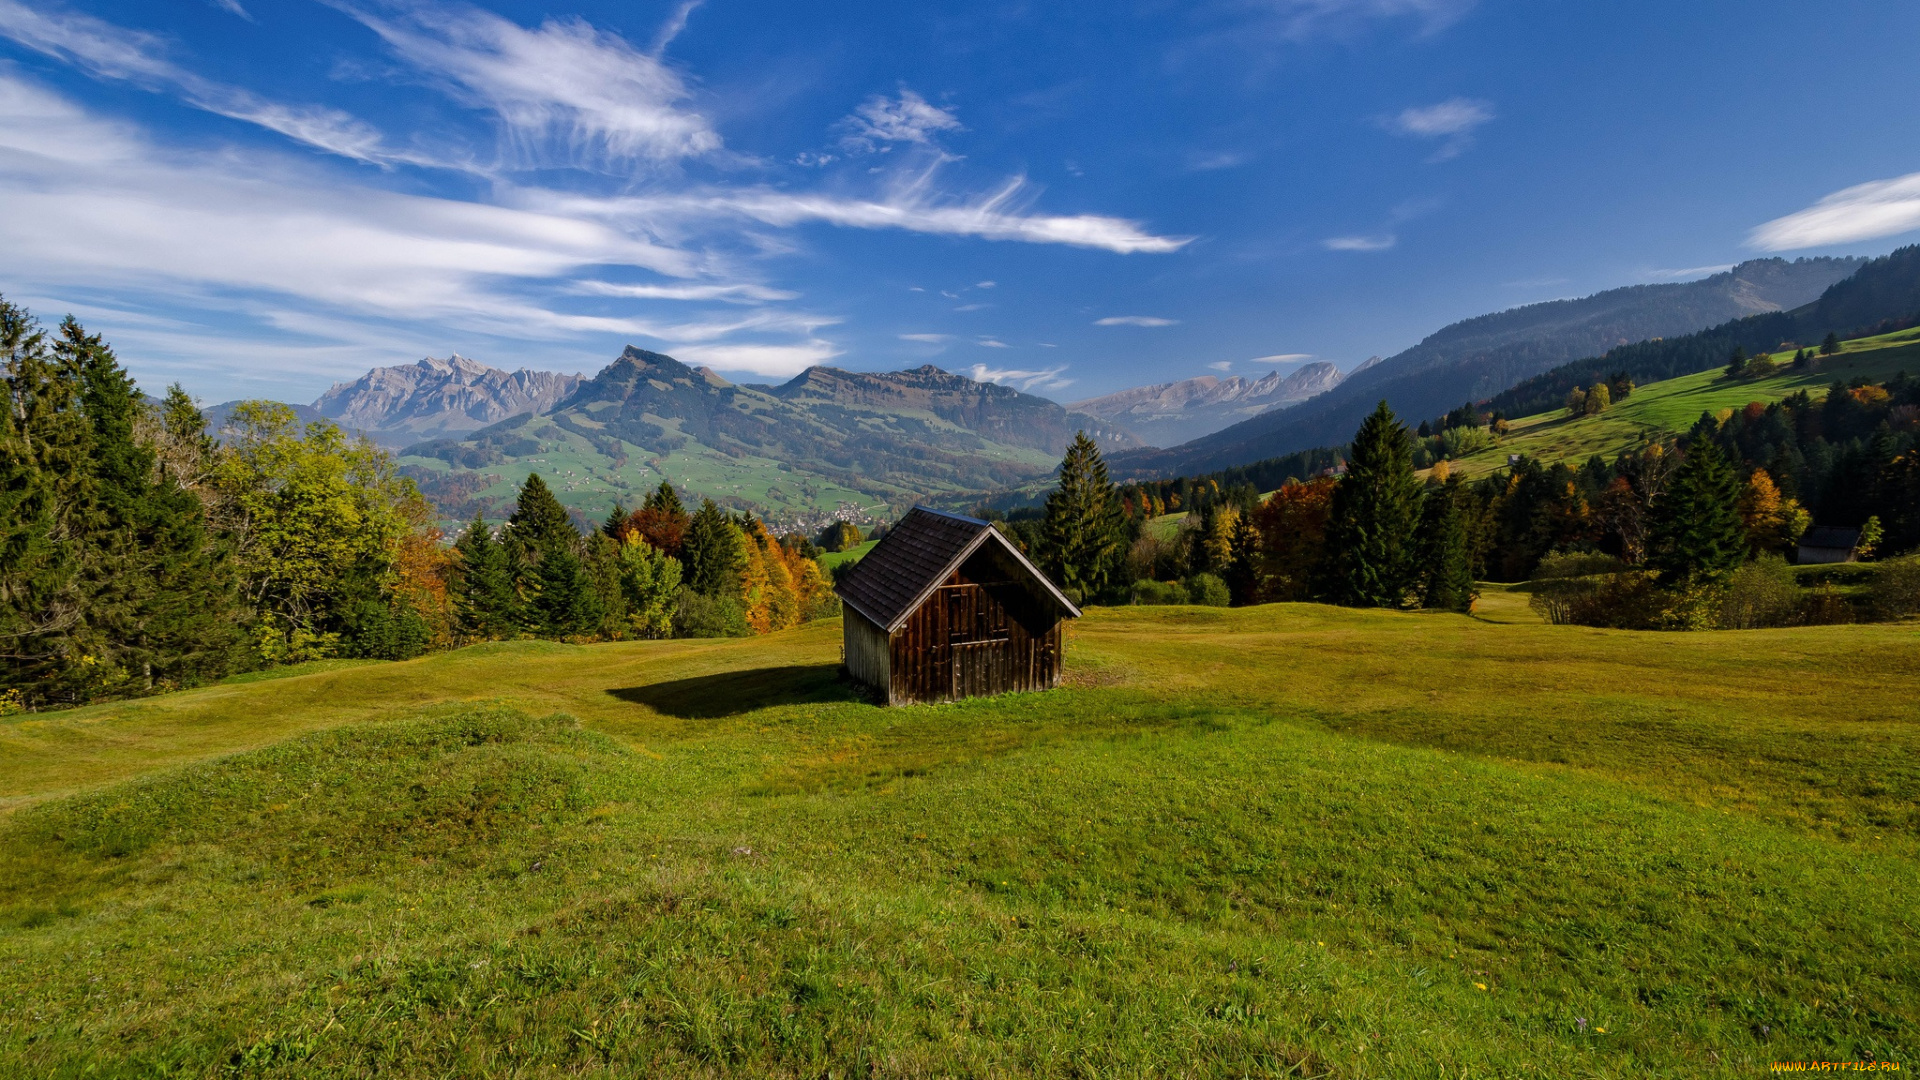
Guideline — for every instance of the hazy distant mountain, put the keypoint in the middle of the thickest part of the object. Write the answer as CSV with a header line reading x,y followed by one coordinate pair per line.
x,y
1168,414
398,406
1474,359
826,439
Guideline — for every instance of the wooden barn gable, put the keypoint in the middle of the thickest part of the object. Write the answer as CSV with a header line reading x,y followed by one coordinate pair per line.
x,y
946,607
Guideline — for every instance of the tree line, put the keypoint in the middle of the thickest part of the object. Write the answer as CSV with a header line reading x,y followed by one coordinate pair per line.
x,y
141,552
1674,534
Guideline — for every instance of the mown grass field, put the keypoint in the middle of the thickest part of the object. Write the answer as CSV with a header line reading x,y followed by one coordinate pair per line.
x,y
1662,409
1287,840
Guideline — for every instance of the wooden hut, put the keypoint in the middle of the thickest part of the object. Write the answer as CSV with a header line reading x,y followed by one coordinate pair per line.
x,y
1824,544
945,607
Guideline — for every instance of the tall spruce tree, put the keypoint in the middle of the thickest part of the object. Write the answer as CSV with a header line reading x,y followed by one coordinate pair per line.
x,y
1082,533
1370,529
567,603
43,453
484,598
715,553
1446,561
1695,532
538,522
616,524
160,594
665,500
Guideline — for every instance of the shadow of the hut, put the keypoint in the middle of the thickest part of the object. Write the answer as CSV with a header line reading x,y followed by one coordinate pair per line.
x,y
731,693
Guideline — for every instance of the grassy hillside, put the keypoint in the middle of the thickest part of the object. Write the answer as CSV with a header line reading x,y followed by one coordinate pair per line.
x,y
1255,841
853,554
1662,409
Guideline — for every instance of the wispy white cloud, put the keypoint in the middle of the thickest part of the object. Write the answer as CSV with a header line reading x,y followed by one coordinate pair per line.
x,y
929,339
1225,160
992,343
1305,18
1380,242
779,361
234,7
1135,320
1689,272
671,29
1221,365
1453,120
1281,358
880,121
733,294
564,93
1862,212
984,284
110,52
92,206
1455,116
912,206
1023,379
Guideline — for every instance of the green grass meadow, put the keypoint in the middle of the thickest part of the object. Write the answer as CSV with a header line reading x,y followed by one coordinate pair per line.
x,y
1659,410
1279,841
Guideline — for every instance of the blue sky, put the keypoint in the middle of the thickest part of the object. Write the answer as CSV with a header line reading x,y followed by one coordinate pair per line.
x,y
262,197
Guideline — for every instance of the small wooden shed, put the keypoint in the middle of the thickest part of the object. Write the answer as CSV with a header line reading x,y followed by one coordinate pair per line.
x,y
1826,544
945,607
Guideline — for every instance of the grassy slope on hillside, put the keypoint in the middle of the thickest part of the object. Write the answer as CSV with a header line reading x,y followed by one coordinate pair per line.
x,y
1661,409
1353,843
853,554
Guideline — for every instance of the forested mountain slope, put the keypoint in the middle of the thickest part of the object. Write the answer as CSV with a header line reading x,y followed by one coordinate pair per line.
x,y
1479,357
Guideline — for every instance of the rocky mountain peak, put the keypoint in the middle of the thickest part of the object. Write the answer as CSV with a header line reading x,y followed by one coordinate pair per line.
x,y
435,397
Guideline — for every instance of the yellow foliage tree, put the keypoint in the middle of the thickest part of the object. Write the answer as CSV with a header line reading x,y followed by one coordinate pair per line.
x,y
1774,522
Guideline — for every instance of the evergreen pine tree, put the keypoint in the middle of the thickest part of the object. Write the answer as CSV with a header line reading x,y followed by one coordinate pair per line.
x,y
42,456
601,562
1082,533
1370,527
484,600
539,523
1737,363
1695,531
1831,345
567,603
616,523
159,595
1447,563
715,557
665,499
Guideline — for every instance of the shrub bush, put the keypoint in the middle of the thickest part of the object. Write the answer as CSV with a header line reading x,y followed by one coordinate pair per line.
x,y
1208,591
1896,588
700,615
1148,591
1761,593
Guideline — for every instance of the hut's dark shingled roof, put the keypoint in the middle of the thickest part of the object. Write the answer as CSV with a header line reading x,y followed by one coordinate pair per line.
x,y
913,558
1827,536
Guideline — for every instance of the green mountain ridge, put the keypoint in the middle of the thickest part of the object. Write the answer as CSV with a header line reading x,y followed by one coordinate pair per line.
x,y
827,444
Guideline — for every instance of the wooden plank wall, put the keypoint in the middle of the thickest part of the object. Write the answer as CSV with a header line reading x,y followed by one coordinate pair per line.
x,y
985,630
866,649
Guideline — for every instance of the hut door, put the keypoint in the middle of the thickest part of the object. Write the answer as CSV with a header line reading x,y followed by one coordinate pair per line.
x,y
976,643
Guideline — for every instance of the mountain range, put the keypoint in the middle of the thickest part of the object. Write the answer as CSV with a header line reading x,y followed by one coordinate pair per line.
x,y
826,443
1168,414
399,406
1476,358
